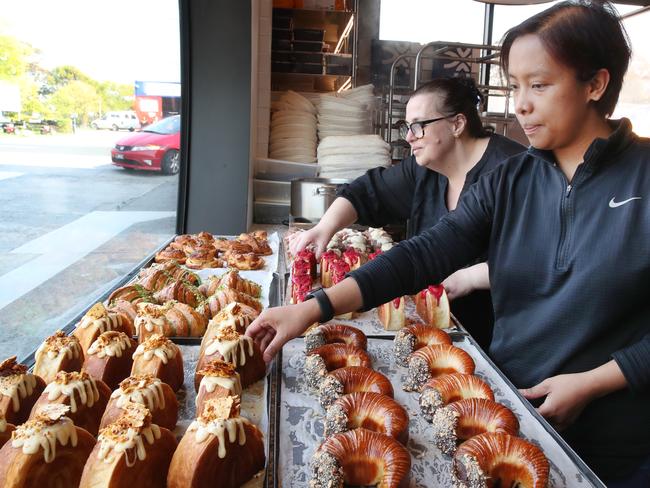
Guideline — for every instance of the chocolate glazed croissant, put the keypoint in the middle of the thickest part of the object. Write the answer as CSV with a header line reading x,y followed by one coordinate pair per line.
x,y
493,459
360,457
372,411
219,449
45,452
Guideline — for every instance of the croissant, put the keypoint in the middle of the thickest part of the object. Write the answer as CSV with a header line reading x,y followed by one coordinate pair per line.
x,y
330,357
360,457
159,357
353,379
448,388
222,297
172,269
233,280
372,411
436,360
5,430
109,358
173,319
229,345
180,291
335,333
126,308
258,245
220,448
196,245
245,261
19,390
130,452
48,451
181,241
392,314
218,379
131,293
97,321
496,459
86,397
58,352
156,278
204,258
469,417
414,337
149,391
432,305
170,254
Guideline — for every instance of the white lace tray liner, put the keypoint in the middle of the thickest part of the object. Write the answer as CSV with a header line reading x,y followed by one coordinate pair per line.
x,y
301,422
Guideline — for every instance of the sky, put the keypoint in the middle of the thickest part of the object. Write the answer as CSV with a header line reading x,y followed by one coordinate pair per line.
x,y
116,40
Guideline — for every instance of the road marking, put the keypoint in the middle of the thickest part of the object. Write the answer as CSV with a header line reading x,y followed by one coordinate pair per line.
x,y
65,246
5,175
74,161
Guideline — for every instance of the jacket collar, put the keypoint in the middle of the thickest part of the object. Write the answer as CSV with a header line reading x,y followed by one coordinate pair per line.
x,y
600,150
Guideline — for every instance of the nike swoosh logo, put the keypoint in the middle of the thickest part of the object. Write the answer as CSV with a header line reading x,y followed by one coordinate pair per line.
x,y
613,204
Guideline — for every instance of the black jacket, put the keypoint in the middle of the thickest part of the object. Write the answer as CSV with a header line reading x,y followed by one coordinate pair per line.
x,y
409,191
570,276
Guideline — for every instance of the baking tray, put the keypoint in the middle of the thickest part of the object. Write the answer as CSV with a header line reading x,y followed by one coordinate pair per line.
x,y
297,423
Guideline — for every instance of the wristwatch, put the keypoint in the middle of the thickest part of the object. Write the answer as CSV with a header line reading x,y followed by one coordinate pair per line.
x,y
326,309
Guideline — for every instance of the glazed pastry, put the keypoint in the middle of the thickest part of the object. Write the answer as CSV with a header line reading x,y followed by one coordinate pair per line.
x,y
173,319
86,397
433,361
19,390
130,452
334,333
300,287
48,451
329,357
360,457
220,448
5,430
222,297
97,321
499,460
159,357
466,418
304,263
131,293
245,261
181,241
181,291
414,337
448,388
233,280
259,245
354,258
218,379
221,244
170,254
432,305
230,346
109,358
204,258
372,411
127,309
235,314
392,314
352,379
58,352
149,391
197,245
327,259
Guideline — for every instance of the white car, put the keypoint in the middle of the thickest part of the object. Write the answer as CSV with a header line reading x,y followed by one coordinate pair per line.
x,y
117,120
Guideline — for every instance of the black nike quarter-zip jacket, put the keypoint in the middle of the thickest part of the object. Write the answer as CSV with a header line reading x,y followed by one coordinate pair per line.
x,y
570,277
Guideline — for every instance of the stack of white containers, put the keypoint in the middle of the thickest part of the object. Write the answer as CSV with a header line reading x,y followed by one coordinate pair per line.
x,y
293,129
347,148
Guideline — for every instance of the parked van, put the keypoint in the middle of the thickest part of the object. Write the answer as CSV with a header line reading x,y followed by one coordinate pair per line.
x,y
116,121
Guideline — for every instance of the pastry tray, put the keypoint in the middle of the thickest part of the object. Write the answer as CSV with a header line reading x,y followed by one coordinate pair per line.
x,y
297,424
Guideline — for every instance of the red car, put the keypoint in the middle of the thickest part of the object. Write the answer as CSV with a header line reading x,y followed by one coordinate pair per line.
x,y
154,148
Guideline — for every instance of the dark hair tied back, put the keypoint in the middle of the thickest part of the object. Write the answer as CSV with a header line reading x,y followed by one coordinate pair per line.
x,y
457,95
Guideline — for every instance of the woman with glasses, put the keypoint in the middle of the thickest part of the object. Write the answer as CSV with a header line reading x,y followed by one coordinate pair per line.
x,y
566,226
450,150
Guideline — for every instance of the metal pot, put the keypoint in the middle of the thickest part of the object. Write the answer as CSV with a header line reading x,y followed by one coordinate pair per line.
x,y
311,197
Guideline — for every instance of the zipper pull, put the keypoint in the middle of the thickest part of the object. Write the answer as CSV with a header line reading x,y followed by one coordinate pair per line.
x,y
568,191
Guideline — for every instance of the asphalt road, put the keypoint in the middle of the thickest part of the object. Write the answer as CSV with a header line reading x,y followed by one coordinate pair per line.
x,y
71,224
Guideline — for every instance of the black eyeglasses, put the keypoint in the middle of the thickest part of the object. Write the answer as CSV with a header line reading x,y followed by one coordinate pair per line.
x,y
417,127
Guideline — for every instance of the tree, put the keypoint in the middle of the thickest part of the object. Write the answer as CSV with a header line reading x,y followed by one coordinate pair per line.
x,y
14,56
76,97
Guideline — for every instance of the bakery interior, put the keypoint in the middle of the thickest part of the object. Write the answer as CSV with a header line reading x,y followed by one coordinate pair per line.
x,y
150,373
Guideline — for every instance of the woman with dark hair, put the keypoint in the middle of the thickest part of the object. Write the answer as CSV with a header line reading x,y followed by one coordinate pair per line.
x,y
450,150
566,227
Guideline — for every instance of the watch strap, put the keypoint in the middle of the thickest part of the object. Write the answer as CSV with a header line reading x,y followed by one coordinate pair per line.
x,y
326,308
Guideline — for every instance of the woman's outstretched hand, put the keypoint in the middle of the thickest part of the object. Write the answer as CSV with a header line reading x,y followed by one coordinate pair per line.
x,y
276,326
317,237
